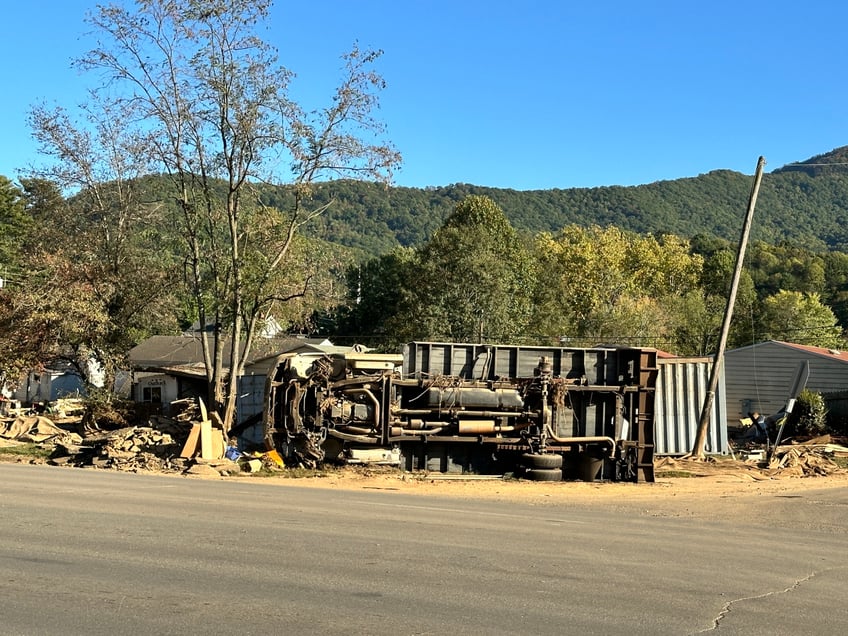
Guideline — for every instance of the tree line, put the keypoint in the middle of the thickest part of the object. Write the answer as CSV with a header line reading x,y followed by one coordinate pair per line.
x,y
373,219
480,279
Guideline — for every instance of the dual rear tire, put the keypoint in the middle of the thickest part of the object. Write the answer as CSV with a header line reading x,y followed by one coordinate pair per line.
x,y
542,466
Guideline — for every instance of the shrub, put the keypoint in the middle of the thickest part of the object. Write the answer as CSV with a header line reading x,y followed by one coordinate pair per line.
x,y
810,416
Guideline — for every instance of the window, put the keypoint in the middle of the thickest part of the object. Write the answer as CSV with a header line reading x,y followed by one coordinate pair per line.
x,y
152,394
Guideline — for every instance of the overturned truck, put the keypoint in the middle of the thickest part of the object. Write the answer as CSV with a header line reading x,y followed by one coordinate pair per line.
x,y
540,413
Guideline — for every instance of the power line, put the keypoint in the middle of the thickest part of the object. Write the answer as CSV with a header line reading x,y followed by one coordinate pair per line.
x,y
832,163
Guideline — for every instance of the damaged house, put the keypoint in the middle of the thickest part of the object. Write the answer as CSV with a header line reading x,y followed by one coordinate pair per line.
x,y
61,379
54,381
170,368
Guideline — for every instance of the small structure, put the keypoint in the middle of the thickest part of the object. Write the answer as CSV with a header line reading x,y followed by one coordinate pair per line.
x,y
59,379
760,376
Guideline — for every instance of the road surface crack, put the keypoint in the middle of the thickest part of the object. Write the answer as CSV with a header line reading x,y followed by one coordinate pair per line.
x,y
727,607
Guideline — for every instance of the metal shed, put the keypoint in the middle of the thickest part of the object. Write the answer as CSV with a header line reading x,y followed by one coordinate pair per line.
x,y
760,376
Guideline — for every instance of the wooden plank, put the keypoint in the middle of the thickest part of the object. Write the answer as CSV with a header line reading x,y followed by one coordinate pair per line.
x,y
204,415
190,447
218,445
206,440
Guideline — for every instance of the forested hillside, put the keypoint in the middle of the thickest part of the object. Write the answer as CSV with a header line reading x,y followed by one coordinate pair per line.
x,y
805,203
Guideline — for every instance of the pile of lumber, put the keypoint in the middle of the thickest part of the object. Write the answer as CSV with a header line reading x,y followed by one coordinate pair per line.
x,y
206,439
808,458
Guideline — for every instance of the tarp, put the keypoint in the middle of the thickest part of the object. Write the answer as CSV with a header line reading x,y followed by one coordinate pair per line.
x,y
33,428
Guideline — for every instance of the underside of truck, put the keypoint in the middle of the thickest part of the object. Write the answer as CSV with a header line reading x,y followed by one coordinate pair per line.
x,y
538,413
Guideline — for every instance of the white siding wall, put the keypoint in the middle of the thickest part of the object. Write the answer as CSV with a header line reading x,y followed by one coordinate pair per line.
x,y
167,384
49,385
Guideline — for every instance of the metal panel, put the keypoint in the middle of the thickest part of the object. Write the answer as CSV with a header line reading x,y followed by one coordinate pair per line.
x,y
251,402
598,366
681,387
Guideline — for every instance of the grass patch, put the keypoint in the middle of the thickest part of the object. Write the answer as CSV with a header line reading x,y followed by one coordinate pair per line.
x,y
301,473
674,473
32,451
842,462
288,473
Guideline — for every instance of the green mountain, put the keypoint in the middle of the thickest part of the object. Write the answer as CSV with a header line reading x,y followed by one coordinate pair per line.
x,y
805,203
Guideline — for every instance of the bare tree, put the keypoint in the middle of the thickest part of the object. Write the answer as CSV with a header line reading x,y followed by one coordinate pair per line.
x,y
211,101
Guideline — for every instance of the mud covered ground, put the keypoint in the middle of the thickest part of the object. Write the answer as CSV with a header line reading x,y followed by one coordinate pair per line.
x,y
725,490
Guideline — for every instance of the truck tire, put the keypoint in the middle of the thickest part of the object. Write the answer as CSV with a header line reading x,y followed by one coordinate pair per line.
x,y
539,460
544,474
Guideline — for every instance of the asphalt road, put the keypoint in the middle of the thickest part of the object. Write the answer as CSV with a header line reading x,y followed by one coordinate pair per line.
x,y
97,552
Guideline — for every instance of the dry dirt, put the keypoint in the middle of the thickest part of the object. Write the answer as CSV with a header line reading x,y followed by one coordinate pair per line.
x,y
733,491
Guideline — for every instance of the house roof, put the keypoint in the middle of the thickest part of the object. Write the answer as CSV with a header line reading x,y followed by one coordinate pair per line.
x,y
172,352
830,354
833,354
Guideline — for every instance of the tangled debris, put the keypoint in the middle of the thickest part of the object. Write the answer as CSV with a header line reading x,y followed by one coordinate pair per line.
x,y
164,444
804,462
815,456
811,458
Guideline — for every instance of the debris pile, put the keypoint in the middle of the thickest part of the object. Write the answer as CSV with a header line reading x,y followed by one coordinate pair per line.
x,y
809,458
804,462
190,442
707,467
36,429
185,412
815,457
135,448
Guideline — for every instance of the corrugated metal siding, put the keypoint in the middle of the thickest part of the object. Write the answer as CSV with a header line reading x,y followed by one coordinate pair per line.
x,y
760,377
681,386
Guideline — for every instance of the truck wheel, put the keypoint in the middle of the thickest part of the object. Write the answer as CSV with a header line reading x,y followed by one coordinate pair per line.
x,y
544,474
539,460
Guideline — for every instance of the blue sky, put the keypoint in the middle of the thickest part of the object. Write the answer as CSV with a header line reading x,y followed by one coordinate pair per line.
x,y
527,95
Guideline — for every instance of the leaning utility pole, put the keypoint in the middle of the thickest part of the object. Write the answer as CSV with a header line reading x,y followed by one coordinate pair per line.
x,y
697,451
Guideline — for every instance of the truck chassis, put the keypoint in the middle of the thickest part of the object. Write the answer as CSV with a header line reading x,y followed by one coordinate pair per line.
x,y
539,413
